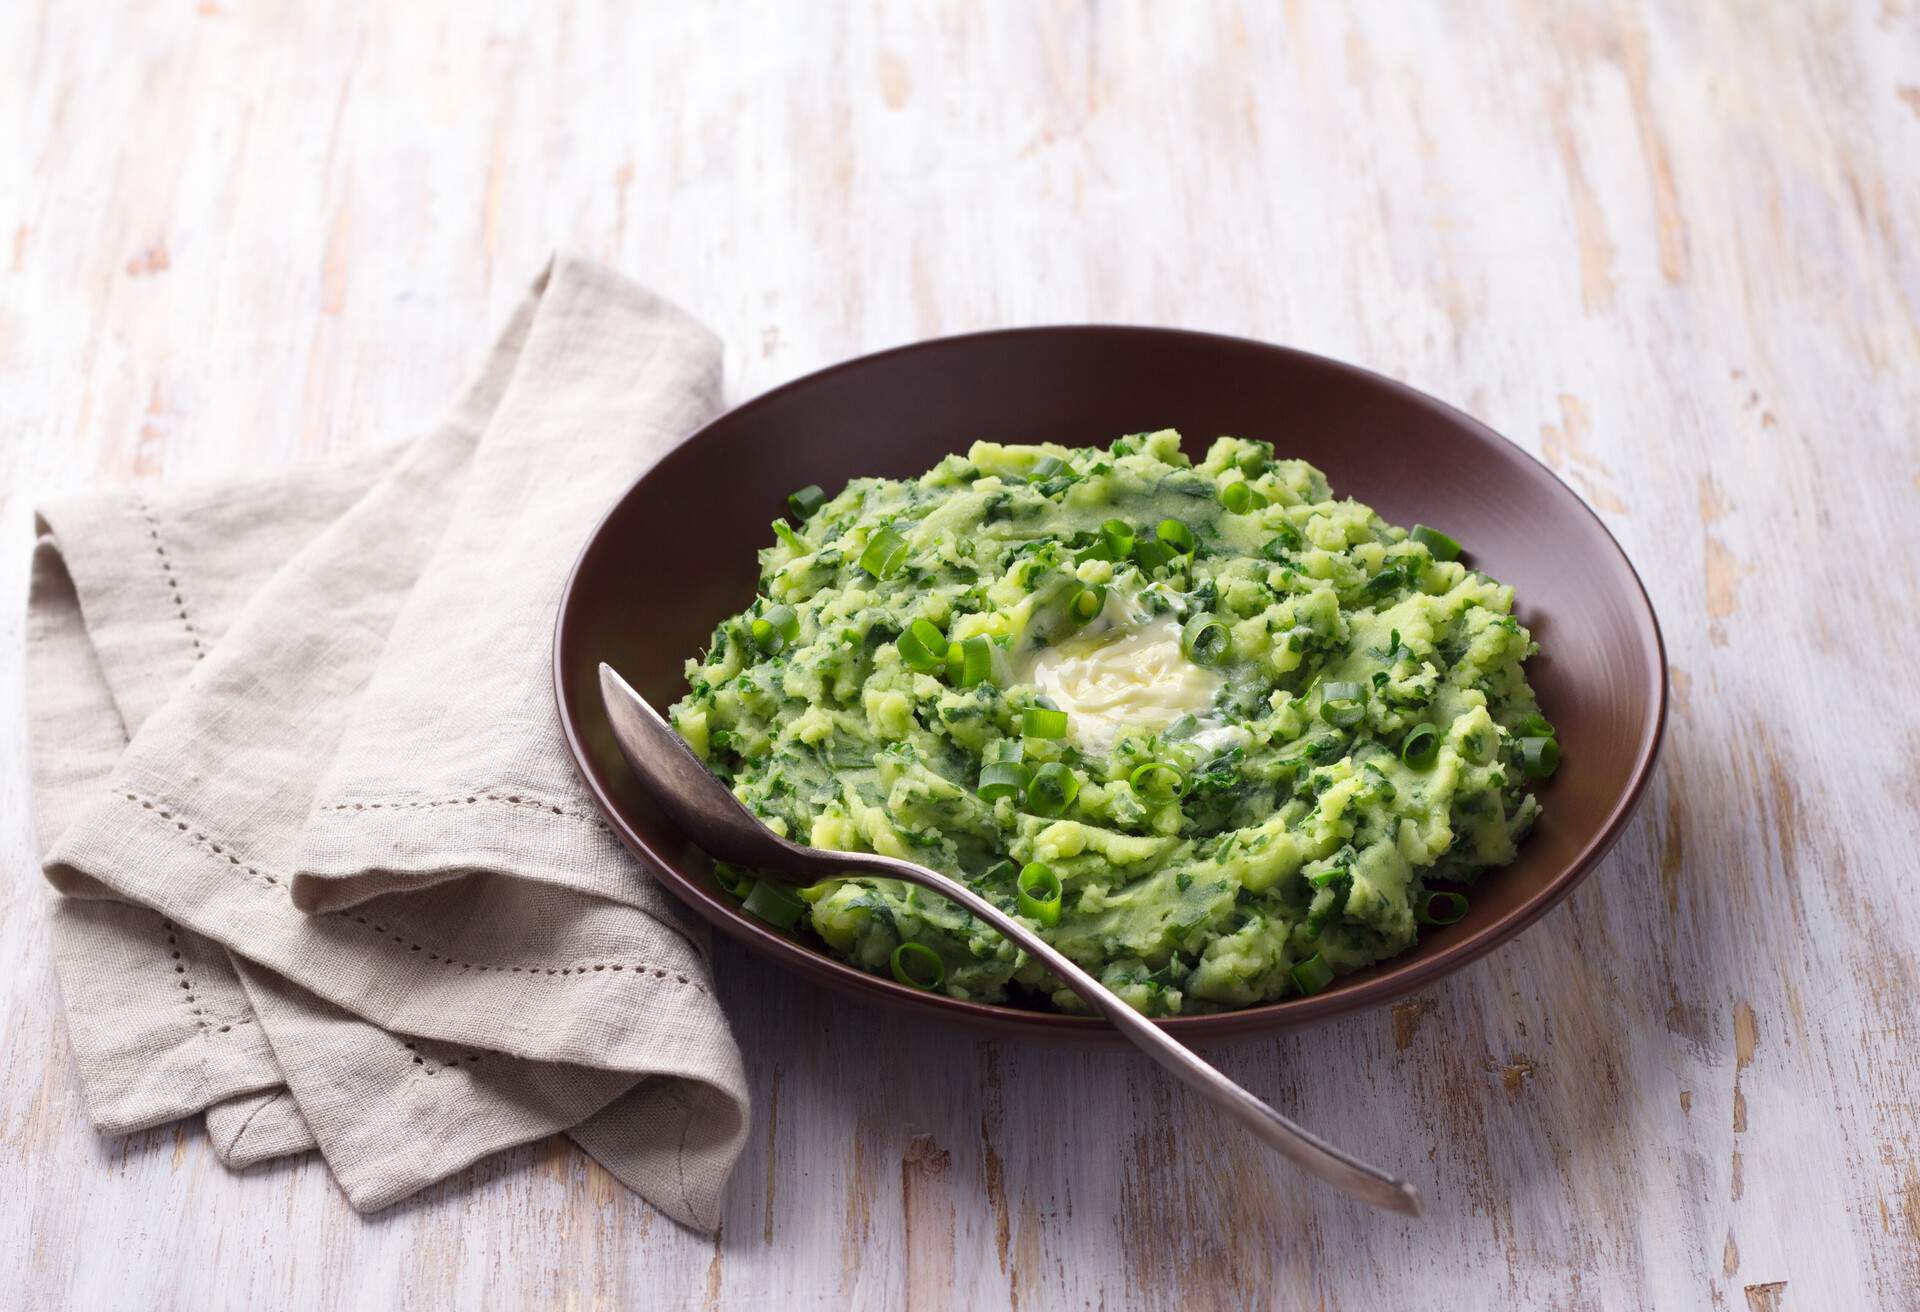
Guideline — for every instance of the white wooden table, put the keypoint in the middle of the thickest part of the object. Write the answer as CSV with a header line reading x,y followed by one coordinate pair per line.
x,y
1671,249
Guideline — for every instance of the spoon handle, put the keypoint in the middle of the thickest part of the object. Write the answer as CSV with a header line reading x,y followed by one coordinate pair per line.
x,y
1305,1150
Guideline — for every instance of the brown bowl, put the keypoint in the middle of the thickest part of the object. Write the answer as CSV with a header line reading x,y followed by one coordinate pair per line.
x,y
676,554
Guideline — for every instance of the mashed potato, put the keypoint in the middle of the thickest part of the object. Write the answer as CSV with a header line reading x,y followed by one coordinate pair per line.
x,y
1212,730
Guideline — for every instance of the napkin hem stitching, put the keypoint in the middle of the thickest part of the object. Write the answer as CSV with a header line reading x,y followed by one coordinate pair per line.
x,y
638,969
159,808
438,1064
170,580
178,955
505,799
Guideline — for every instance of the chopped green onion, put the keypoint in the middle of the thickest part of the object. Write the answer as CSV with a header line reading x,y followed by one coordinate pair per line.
x,y
737,881
774,629
1421,747
1438,544
1003,779
1158,781
1151,554
1388,580
1001,750
1539,757
1087,601
885,553
1343,705
1040,722
998,872
1276,548
1238,498
1205,640
1313,974
1046,467
1116,535
775,904
807,500
918,965
969,662
1037,894
1052,789
923,647
1176,536
1535,726
1441,908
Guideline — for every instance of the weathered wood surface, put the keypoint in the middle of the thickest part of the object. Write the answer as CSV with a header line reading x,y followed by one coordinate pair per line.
x,y
1670,248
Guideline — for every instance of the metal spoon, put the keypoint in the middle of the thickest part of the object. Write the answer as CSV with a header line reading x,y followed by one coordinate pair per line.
x,y
709,814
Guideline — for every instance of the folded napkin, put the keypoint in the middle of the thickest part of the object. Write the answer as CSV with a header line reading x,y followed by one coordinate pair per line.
x,y
328,874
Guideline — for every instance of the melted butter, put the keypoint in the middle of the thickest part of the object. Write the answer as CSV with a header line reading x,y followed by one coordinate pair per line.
x,y
1134,678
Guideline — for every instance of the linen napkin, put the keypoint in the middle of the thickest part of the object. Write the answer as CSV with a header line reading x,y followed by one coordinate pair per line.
x,y
327,873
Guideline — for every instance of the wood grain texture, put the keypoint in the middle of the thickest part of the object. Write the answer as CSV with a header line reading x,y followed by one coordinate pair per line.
x,y
1667,247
